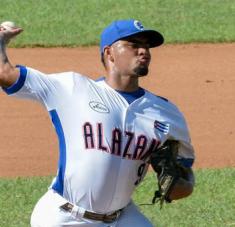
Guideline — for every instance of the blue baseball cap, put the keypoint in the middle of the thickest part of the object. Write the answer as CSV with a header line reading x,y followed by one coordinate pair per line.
x,y
124,28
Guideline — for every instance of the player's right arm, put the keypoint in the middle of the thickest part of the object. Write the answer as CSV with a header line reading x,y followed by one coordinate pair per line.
x,y
27,83
8,73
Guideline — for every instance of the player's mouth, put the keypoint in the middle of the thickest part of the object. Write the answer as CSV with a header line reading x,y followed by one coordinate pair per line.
x,y
144,60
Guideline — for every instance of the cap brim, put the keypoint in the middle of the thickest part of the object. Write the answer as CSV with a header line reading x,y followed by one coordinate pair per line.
x,y
154,38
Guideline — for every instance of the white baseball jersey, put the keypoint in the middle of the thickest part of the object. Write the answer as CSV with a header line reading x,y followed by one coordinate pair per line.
x,y
103,139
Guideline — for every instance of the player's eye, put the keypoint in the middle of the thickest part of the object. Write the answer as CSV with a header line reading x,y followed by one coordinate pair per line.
x,y
135,45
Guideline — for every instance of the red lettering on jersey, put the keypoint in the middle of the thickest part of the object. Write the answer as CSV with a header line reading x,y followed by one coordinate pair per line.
x,y
116,142
141,151
100,138
88,136
154,144
128,144
140,146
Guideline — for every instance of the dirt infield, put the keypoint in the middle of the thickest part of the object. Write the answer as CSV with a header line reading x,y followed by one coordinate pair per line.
x,y
198,78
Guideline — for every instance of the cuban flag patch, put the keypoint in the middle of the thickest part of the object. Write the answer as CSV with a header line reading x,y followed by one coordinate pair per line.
x,y
164,128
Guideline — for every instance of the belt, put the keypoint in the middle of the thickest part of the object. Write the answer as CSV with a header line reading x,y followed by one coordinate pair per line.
x,y
107,218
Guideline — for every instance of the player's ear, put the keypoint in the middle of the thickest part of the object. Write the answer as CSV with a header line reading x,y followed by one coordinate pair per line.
x,y
108,53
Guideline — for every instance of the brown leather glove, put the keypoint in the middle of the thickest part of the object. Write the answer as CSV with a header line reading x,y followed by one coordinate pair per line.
x,y
164,163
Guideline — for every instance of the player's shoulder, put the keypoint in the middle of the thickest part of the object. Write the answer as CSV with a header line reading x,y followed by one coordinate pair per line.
x,y
80,76
163,103
69,80
69,74
75,77
60,75
163,99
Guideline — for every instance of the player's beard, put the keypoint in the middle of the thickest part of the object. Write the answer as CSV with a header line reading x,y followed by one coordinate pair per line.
x,y
141,70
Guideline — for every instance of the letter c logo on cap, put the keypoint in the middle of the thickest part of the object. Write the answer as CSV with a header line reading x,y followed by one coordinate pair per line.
x,y
138,25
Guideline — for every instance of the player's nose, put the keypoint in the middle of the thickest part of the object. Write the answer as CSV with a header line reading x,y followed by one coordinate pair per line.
x,y
144,52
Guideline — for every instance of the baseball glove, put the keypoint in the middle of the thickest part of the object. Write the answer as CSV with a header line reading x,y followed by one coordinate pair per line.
x,y
164,162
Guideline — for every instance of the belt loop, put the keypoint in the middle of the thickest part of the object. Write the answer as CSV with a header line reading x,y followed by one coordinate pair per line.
x,y
77,212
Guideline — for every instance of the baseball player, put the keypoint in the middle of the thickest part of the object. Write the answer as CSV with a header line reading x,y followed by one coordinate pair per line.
x,y
106,129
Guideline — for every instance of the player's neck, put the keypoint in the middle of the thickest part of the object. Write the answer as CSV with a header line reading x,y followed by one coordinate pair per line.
x,y
123,83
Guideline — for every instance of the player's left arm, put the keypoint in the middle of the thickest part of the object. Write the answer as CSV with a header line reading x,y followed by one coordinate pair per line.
x,y
172,162
184,185
185,159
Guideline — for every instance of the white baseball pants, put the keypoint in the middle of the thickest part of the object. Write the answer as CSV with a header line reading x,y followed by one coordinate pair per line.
x,y
47,213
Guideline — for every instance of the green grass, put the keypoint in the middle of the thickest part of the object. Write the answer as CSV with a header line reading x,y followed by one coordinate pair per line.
x,y
211,205
79,22
17,199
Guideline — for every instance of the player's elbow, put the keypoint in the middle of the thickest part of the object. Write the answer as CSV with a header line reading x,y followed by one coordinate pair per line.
x,y
8,75
2,76
188,190
181,189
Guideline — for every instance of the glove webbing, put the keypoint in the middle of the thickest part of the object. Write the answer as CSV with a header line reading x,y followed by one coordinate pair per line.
x,y
164,164
165,185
